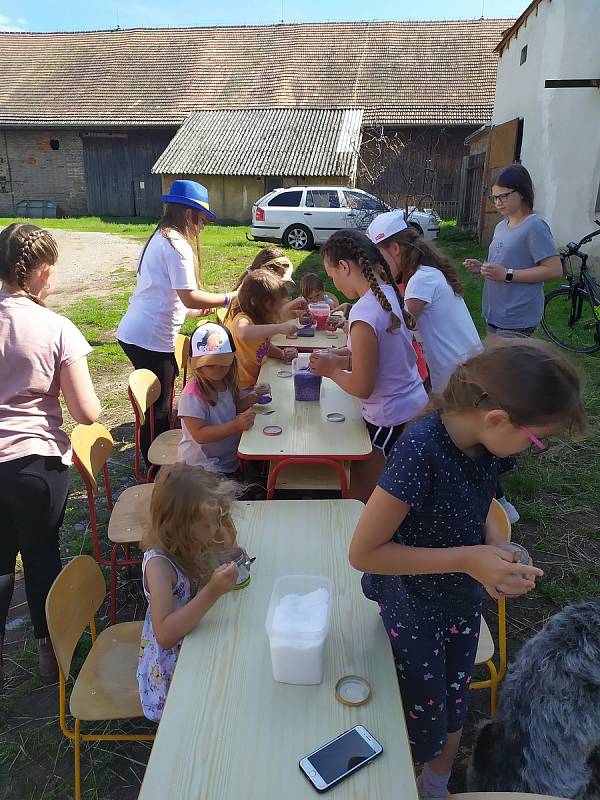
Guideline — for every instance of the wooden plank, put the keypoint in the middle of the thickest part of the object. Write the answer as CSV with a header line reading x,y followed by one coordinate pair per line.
x,y
306,432
228,729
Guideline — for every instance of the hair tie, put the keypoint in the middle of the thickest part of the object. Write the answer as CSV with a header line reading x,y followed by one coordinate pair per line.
x,y
483,396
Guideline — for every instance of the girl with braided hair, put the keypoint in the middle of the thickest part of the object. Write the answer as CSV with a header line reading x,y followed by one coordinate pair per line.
x,y
41,355
379,365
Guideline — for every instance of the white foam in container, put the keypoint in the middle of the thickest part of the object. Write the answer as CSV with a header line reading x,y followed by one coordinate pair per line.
x,y
297,625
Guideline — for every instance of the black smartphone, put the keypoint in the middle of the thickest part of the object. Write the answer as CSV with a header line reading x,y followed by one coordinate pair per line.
x,y
339,758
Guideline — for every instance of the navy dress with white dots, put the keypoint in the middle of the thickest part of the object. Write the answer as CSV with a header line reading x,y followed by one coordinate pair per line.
x,y
433,620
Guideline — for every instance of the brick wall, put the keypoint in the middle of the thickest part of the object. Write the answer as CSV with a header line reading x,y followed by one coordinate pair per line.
x,y
31,170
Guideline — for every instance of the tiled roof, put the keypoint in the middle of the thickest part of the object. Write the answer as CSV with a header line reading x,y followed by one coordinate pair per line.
x,y
258,141
401,73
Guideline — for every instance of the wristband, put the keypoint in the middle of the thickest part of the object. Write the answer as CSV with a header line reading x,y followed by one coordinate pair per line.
x,y
226,301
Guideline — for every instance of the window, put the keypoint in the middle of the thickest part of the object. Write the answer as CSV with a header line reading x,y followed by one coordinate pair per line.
x,y
54,144
323,198
286,200
523,55
362,202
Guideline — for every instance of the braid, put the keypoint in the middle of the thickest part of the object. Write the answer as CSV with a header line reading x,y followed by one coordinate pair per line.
x,y
409,320
25,262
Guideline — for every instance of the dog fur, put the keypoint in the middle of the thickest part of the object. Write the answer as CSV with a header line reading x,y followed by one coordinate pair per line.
x,y
545,738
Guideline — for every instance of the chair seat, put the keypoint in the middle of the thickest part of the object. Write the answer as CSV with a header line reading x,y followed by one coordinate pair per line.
x,y
106,687
301,477
163,449
130,517
485,646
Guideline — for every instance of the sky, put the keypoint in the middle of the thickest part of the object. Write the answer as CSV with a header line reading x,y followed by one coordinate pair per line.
x,y
68,15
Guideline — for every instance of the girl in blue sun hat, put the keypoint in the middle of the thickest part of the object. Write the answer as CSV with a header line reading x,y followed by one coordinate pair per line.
x,y
167,291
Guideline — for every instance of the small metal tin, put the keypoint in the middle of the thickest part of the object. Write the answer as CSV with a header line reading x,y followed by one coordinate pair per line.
x,y
272,430
335,416
352,690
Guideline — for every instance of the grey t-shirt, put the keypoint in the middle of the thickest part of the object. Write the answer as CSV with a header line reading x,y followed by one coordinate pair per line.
x,y
517,305
220,456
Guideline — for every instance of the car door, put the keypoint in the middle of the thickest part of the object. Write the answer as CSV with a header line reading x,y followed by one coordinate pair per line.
x,y
283,210
323,212
360,209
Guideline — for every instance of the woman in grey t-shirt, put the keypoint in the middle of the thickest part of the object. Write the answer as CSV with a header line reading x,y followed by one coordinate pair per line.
x,y
521,257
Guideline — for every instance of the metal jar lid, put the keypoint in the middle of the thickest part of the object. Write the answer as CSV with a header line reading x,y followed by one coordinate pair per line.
x,y
352,690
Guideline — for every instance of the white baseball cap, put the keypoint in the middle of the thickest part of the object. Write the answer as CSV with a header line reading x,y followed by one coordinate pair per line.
x,y
212,343
386,225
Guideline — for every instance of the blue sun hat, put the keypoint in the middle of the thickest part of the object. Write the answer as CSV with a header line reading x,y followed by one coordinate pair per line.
x,y
191,194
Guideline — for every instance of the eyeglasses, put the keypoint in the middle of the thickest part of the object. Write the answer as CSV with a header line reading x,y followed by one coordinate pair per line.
x,y
533,438
500,198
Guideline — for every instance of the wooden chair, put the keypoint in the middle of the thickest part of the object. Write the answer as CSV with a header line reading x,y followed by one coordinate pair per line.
x,y
301,474
182,357
485,646
144,391
501,796
106,686
221,315
129,516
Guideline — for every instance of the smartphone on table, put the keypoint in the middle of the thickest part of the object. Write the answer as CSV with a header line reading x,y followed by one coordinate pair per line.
x,y
339,758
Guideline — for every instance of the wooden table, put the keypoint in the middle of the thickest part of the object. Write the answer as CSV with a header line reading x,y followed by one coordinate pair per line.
x,y
306,431
304,344
228,729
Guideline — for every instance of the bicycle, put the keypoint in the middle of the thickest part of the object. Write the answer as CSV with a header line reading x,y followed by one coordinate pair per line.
x,y
572,311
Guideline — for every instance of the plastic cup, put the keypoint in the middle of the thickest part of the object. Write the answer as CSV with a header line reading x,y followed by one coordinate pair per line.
x,y
289,354
321,313
519,556
263,391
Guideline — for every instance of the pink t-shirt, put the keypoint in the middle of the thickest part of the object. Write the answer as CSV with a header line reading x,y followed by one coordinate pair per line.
x,y
35,343
398,394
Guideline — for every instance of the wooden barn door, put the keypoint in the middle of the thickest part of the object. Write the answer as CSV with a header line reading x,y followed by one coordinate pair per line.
x,y
108,175
503,149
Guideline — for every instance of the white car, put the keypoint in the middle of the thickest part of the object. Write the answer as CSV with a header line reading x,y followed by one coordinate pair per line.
x,y
303,216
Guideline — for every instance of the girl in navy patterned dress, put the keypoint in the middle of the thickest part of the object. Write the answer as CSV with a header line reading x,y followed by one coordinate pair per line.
x,y
425,541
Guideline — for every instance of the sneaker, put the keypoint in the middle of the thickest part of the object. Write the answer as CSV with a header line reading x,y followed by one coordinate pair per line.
x,y
511,512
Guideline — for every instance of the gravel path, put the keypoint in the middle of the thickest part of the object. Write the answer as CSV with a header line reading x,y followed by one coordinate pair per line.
x,y
85,262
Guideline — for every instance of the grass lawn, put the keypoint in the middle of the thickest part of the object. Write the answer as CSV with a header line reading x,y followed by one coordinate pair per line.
x,y
557,493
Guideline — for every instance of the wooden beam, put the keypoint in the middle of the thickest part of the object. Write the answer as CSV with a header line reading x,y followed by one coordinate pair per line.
x,y
574,83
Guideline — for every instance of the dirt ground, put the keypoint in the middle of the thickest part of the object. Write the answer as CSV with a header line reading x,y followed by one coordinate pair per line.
x,y
85,262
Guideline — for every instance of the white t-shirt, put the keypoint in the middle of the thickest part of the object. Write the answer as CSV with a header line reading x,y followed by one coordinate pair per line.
x,y
155,313
445,326
218,456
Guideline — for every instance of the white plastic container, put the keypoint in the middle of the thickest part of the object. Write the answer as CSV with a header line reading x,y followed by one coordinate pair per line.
x,y
297,646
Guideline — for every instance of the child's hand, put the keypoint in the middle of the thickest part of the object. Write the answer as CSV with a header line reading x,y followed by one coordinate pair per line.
x,y
472,264
245,420
223,579
492,566
288,328
322,364
297,306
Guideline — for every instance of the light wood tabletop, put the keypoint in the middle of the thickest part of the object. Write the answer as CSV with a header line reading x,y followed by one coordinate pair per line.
x,y
306,430
307,343
228,729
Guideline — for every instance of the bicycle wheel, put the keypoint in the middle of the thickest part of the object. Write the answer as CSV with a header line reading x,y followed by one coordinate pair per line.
x,y
570,320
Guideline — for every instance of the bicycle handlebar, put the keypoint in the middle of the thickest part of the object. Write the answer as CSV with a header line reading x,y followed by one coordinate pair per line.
x,y
573,249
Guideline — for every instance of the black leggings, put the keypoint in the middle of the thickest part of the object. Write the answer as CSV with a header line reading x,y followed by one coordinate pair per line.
x,y
164,366
33,496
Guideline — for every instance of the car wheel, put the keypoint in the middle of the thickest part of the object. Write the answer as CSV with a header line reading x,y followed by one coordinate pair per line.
x,y
298,237
417,227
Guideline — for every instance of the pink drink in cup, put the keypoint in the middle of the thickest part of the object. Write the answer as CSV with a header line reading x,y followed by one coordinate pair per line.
x,y
320,312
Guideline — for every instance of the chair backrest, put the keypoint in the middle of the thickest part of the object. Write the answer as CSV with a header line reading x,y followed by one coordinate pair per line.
x,y
144,389
93,445
501,518
73,600
221,314
182,352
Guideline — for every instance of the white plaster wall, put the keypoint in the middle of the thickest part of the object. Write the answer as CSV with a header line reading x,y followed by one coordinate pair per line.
x,y
561,128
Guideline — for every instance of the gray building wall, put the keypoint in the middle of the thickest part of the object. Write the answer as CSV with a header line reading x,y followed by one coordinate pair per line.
x,y
31,170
